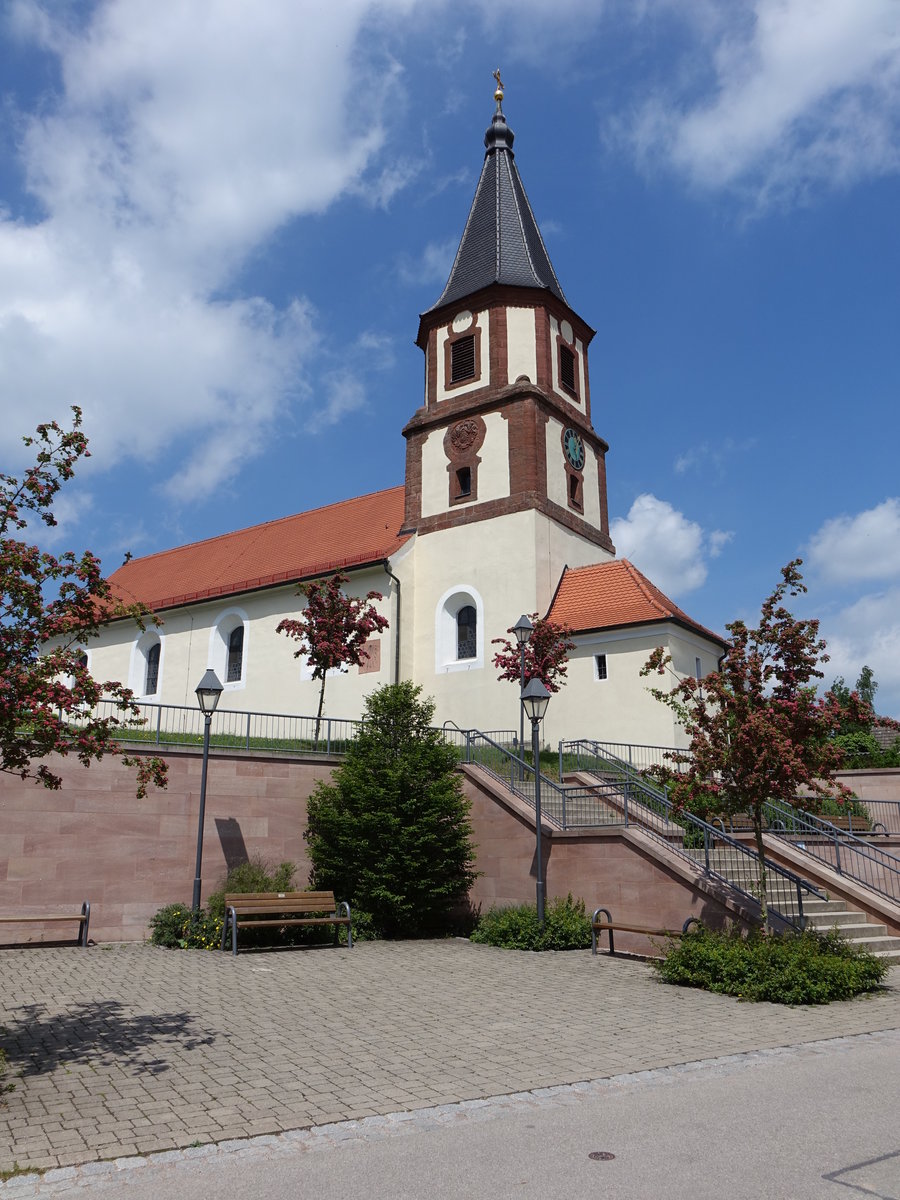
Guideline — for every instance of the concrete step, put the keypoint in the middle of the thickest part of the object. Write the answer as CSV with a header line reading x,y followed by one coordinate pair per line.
x,y
824,920
814,905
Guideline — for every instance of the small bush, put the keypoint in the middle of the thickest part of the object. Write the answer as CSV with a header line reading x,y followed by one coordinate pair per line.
x,y
175,928
566,927
804,968
253,876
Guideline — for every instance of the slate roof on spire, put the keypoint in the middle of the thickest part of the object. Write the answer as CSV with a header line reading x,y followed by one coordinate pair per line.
x,y
501,242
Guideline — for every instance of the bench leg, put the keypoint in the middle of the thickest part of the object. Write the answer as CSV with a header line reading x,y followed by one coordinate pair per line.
x,y
233,934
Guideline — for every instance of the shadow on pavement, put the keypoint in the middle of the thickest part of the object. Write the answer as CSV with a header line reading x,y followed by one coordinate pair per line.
x,y
103,1033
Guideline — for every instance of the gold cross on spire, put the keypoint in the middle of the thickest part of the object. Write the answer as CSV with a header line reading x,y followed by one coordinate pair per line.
x,y
498,94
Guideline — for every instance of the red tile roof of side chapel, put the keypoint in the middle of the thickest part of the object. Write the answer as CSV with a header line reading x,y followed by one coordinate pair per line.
x,y
614,594
348,534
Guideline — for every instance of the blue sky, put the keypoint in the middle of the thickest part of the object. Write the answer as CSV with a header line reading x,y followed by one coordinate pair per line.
x,y
220,221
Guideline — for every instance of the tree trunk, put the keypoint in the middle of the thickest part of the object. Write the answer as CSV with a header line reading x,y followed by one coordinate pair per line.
x,y
319,713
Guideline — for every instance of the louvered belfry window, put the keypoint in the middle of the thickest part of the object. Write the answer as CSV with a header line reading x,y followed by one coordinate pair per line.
x,y
462,359
567,369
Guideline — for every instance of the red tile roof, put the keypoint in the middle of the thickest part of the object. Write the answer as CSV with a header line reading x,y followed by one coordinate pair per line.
x,y
613,594
338,536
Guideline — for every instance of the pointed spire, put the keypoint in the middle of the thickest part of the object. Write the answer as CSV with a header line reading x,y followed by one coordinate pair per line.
x,y
501,242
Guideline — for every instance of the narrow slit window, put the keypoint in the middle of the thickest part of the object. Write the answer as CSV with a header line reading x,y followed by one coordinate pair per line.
x,y
466,630
464,481
698,669
235,663
600,665
151,681
567,369
462,359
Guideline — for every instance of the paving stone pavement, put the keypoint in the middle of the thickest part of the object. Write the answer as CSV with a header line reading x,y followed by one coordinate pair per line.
x,y
134,1050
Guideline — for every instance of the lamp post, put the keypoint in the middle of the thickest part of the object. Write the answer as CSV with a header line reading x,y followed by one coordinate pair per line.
x,y
208,692
535,699
522,629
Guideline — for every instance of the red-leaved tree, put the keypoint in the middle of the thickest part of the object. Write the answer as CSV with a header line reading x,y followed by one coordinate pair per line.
x,y
49,610
546,654
333,630
758,730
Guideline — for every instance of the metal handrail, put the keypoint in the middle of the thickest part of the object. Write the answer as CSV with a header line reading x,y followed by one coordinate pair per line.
x,y
853,857
282,733
724,857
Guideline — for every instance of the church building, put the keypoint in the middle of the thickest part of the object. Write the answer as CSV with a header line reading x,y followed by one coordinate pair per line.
x,y
503,512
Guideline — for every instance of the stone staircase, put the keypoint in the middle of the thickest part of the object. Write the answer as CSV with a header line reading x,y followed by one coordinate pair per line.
x,y
822,915
853,926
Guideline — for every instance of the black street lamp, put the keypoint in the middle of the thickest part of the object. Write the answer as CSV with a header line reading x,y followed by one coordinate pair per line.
x,y
523,629
208,692
535,699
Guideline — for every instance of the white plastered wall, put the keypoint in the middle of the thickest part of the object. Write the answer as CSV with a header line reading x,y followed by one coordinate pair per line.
x,y
493,470
576,345
620,707
461,324
521,340
272,678
557,483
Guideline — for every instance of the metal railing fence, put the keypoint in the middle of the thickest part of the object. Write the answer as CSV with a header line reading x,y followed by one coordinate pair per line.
x,y
643,757
622,797
639,756
857,858
645,804
169,725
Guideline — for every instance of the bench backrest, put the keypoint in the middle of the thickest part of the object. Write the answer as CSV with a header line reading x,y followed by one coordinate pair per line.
x,y
280,902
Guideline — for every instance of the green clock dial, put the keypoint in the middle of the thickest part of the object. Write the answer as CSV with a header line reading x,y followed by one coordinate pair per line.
x,y
574,448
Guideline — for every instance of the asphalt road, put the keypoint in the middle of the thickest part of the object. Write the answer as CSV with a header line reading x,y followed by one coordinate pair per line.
x,y
808,1122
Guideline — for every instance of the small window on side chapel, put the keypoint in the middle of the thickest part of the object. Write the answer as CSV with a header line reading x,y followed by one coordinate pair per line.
x,y
462,359
698,669
466,630
151,681
235,662
600,666
463,482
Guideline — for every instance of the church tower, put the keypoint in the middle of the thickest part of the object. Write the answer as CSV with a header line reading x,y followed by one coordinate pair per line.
x,y
506,424
505,475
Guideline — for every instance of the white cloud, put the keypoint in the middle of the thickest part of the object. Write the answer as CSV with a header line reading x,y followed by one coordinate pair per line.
x,y
155,177
665,545
712,458
849,549
432,266
867,632
806,94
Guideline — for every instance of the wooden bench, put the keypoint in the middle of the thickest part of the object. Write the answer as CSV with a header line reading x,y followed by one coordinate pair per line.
x,y
258,910
83,918
609,925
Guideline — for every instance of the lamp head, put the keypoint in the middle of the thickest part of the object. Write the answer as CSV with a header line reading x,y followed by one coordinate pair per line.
x,y
535,698
208,692
523,629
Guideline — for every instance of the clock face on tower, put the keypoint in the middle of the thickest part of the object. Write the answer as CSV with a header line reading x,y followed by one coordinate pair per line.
x,y
574,449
